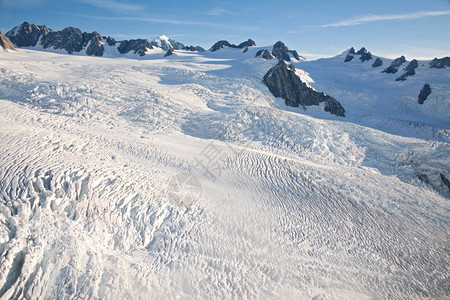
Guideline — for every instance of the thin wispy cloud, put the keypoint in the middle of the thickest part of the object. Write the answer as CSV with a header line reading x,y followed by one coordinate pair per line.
x,y
376,18
134,18
113,5
220,11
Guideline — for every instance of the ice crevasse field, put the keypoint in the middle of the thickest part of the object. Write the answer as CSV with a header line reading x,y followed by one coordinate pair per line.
x,y
184,178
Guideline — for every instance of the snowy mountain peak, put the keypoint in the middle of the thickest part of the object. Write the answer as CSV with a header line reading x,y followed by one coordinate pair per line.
x,y
363,54
167,43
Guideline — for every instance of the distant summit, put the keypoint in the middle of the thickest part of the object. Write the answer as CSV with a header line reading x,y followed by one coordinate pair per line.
x,y
281,51
166,43
363,54
225,44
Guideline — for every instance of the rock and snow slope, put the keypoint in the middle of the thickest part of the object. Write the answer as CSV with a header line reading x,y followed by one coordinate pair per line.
x,y
288,203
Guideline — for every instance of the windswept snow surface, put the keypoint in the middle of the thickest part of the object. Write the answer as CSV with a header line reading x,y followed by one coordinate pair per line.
x,y
183,178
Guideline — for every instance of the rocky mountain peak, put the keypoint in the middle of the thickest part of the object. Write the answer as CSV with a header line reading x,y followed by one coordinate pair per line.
x,y
393,68
283,82
281,51
138,46
27,35
364,55
223,43
440,63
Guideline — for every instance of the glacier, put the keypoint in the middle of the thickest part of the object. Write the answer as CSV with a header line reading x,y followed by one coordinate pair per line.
x,y
127,177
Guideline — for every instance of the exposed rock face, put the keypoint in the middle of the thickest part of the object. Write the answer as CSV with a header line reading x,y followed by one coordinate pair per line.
x,y
169,52
223,43
333,106
393,68
264,54
5,43
69,39
190,48
26,34
377,63
424,93
440,63
295,54
95,46
364,54
280,51
248,43
110,41
283,82
139,46
350,55
220,45
410,70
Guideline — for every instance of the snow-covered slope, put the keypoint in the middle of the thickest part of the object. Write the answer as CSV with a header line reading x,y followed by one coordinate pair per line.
x,y
182,177
165,43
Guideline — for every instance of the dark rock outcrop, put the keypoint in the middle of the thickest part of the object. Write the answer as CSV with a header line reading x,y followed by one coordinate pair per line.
x,y
283,82
280,51
5,43
440,63
190,48
364,54
350,55
27,35
95,46
377,63
333,106
410,70
248,43
295,54
169,52
393,68
220,45
200,49
264,54
110,41
69,39
139,46
223,44
424,93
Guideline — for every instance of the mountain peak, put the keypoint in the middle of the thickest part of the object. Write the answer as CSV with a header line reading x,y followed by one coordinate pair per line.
x,y
225,44
166,43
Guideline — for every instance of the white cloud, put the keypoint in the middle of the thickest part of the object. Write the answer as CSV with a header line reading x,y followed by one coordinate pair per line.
x,y
113,5
375,18
220,11
141,19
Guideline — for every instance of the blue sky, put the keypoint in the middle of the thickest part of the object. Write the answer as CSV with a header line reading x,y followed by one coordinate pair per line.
x,y
414,28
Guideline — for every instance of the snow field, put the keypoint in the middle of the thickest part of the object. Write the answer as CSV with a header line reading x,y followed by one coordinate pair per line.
x,y
301,204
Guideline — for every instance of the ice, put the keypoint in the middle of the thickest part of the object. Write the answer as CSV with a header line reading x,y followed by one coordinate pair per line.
x,y
282,202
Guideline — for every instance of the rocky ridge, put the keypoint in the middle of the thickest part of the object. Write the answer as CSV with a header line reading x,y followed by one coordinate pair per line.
x,y
283,82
